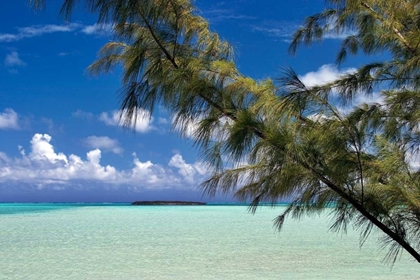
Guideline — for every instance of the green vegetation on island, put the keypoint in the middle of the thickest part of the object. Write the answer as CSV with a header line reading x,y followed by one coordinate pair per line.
x,y
274,139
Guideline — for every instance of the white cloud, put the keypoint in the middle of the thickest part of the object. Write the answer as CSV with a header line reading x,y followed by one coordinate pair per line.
x,y
9,119
188,127
319,117
329,73
360,99
13,60
280,29
5,37
82,114
141,122
97,29
70,53
105,143
39,30
162,120
413,160
284,31
43,151
43,167
325,74
187,171
333,34
220,14
375,97
339,36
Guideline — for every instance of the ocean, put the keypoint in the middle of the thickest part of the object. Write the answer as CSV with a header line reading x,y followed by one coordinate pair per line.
x,y
120,241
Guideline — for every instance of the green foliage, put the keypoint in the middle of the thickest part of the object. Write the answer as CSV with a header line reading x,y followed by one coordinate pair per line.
x,y
271,140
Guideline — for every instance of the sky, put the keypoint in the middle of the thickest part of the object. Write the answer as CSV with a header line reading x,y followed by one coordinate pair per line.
x,y
60,136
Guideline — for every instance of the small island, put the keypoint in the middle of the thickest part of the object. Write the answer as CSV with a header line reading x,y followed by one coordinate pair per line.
x,y
163,202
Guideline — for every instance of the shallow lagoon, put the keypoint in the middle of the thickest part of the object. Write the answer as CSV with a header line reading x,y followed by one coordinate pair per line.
x,y
118,241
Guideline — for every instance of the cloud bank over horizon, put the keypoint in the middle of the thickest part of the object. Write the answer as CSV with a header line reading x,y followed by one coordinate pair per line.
x,y
43,167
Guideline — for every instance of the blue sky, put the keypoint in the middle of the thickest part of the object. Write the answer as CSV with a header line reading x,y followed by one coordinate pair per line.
x,y
59,130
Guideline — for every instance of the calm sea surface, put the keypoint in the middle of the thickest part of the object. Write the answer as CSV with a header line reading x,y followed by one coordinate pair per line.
x,y
117,241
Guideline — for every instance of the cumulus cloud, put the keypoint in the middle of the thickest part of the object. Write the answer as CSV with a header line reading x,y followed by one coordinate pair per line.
x,y
105,143
44,167
187,171
141,122
9,119
43,155
12,60
329,73
325,74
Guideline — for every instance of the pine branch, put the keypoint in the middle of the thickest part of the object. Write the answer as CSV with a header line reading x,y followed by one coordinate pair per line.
x,y
394,29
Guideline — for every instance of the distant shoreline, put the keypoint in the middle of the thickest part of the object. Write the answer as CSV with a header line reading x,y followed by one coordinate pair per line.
x,y
127,203
163,202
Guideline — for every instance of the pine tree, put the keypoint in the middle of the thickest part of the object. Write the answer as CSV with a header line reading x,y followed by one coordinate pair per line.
x,y
275,139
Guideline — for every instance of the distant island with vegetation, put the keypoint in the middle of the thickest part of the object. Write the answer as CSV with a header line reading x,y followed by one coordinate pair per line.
x,y
163,202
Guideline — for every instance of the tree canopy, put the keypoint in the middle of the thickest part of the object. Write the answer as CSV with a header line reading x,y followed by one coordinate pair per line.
x,y
278,138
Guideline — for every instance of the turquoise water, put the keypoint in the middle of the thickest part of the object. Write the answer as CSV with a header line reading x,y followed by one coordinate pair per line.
x,y
75,241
